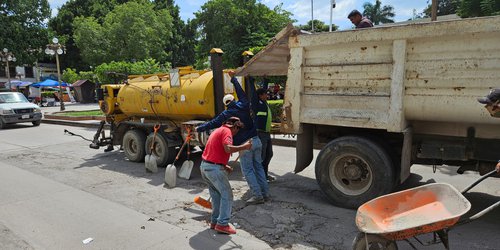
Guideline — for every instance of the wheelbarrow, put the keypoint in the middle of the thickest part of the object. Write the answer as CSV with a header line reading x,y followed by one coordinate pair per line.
x,y
433,208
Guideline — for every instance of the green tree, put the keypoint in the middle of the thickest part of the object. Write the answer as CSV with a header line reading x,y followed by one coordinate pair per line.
x,y
445,7
115,72
70,76
87,75
378,13
475,8
319,26
183,38
62,25
251,24
133,31
23,29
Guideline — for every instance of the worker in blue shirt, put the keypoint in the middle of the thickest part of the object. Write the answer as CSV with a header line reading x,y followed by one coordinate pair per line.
x,y
250,160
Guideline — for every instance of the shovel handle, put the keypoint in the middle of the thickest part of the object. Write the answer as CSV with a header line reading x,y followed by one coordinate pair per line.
x,y
180,150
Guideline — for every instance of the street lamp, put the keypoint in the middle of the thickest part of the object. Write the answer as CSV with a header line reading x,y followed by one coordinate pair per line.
x,y
7,57
55,48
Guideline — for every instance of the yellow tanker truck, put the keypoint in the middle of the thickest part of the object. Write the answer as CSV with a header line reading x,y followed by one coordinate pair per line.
x,y
176,102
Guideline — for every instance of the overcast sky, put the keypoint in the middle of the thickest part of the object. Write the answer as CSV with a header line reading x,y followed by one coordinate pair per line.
x,y
301,9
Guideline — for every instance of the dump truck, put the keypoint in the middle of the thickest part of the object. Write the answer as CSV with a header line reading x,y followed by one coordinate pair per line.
x,y
378,100
173,103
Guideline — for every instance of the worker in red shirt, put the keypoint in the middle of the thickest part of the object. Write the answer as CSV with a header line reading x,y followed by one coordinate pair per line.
x,y
214,171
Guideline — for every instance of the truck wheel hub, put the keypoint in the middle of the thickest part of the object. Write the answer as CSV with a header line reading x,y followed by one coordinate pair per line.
x,y
350,175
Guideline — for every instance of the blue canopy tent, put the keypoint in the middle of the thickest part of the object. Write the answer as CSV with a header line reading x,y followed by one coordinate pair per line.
x,y
49,83
25,84
17,83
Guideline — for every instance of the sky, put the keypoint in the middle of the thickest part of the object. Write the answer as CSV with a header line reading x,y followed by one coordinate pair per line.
x,y
301,9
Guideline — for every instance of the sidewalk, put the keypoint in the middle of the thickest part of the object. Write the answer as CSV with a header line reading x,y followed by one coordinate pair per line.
x,y
45,214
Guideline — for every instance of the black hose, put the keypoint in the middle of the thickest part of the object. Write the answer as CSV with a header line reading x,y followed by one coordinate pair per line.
x,y
73,134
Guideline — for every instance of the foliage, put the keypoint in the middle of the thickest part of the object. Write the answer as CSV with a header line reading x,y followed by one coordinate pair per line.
x,y
319,26
276,107
87,75
70,76
475,8
132,31
23,32
183,39
378,13
48,94
115,72
62,25
445,7
252,24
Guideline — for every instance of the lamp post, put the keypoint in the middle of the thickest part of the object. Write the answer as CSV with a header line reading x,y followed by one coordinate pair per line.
x,y
332,6
55,48
7,57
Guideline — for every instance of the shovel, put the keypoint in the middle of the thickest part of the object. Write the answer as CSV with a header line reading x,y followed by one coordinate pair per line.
x,y
150,161
187,165
171,171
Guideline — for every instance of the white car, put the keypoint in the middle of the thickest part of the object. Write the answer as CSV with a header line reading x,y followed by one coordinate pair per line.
x,y
15,108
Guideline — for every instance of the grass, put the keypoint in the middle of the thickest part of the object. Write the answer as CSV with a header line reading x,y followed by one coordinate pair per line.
x,y
82,113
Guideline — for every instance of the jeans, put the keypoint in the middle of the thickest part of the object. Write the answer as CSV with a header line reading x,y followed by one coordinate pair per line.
x,y
220,191
267,150
251,166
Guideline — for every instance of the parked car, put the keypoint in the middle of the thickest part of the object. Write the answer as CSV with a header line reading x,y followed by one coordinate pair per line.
x,y
15,108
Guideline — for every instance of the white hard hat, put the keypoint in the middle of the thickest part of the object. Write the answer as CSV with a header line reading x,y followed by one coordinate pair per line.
x,y
227,99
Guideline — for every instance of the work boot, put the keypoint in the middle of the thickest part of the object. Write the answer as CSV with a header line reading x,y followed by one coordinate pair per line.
x,y
270,179
255,200
267,198
227,229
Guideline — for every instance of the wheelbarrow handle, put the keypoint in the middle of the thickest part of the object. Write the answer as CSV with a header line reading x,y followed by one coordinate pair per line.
x,y
479,181
482,212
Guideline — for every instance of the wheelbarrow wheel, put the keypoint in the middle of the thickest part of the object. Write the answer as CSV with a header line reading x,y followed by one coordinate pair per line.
x,y
375,242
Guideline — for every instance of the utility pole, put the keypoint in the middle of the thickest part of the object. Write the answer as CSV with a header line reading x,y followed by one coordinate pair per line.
x,y
332,6
312,15
434,8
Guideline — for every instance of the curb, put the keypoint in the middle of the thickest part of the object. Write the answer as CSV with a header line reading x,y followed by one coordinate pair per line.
x,y
73,123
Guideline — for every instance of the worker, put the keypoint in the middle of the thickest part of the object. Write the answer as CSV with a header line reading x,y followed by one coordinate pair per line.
x,y
492,100
250,160
263,120
214,171
359,20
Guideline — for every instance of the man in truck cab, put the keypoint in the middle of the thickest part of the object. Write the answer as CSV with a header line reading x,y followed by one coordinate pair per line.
x,y
359,20
250,160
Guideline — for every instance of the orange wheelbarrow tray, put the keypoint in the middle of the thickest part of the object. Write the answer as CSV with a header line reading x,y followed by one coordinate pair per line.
x,y
411,212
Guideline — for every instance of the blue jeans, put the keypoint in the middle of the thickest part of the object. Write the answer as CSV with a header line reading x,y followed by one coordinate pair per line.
x,y
251,166
220,191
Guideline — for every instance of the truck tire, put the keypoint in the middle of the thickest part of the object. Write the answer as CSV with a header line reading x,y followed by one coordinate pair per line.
x,y
36,123
164,154
2,124
352,170
374,242
133,145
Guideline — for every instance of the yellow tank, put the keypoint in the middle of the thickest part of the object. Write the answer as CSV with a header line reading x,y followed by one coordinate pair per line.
x,y
189,96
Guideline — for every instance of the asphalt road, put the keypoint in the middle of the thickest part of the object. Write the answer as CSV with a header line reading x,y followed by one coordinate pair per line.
x,y
298,217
